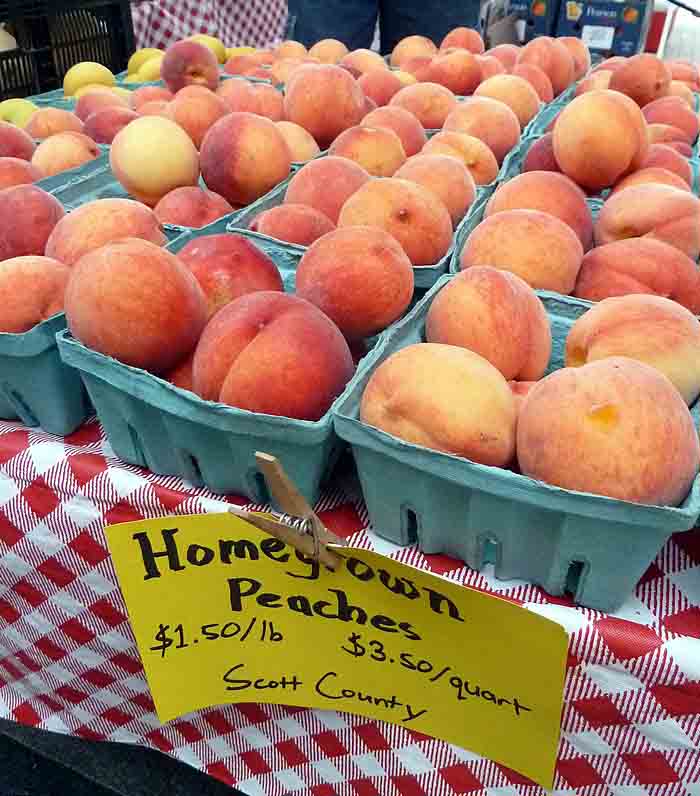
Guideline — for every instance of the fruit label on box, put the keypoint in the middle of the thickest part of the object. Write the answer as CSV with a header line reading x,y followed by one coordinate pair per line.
x,y
598,37
223,613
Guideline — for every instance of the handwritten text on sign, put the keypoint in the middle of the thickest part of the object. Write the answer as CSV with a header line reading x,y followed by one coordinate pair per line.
x,y
223,613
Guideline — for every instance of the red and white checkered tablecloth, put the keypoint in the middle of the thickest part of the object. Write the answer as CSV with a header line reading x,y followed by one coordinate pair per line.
x,y
68,661
255,23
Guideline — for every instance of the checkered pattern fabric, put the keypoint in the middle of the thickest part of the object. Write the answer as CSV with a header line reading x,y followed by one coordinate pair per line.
x,y
255,23
68,661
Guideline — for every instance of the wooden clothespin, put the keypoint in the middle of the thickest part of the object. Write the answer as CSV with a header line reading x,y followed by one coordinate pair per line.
x,y
299,526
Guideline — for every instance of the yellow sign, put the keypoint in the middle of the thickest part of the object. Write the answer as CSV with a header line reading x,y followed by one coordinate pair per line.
x,y
223,613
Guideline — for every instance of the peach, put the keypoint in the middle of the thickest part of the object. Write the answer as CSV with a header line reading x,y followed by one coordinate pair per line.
x,y
292,223
674,112
103,125
685,71
188,63
302,145
98,223
662,156
520,390
238,95
64,151
329,51
459,71
410,47
31,291
452,184
35,213
650,329
607,428
515,92
96,101
380,85
444,398
540,155
15,142
679,89
405,78
360,277
363,60
651,176
536,246
48,121
405,210
643,78
191,206
547,192
291,49
636,266
679,146
150,94
537,79
464,38
243,157
129,285
470,151
580,54
250,341
594,81
241,64
326,184
325,100
507,54
489,120
403,123
281,71
496,315
652,211
553,58
369,106
270,101
600,137
195,109
378,150
418,67
181,376
430,103
15,171
155,108
490,66
152,156
228,266
610,64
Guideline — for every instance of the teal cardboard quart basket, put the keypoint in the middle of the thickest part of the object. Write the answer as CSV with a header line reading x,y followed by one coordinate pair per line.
x,y
424,276
151,423
35,386
594,547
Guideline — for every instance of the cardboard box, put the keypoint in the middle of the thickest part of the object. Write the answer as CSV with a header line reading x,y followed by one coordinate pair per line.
x,y
535,17
607,27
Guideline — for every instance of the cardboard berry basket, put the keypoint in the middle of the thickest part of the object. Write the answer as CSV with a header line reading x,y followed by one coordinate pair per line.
x,y
170,431
424,276
35,386
513,164
594,547
466,230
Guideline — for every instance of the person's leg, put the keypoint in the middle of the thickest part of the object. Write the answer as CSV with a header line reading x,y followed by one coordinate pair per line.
x,y
401,18
350,21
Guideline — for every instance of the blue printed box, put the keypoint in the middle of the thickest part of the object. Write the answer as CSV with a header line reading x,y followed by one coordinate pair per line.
x,y
609,28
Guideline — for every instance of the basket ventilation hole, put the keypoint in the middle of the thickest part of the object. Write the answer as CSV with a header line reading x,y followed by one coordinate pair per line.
x,y
136,445
194,473
410,524
492,549
573,577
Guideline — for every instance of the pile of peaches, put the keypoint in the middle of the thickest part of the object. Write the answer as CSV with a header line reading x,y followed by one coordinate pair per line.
x,y
394,155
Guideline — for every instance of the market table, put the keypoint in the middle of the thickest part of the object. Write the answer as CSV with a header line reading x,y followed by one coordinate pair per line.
x,y
69,663
255,23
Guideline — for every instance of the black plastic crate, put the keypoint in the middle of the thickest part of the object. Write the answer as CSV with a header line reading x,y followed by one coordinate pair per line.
x,y
54,35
